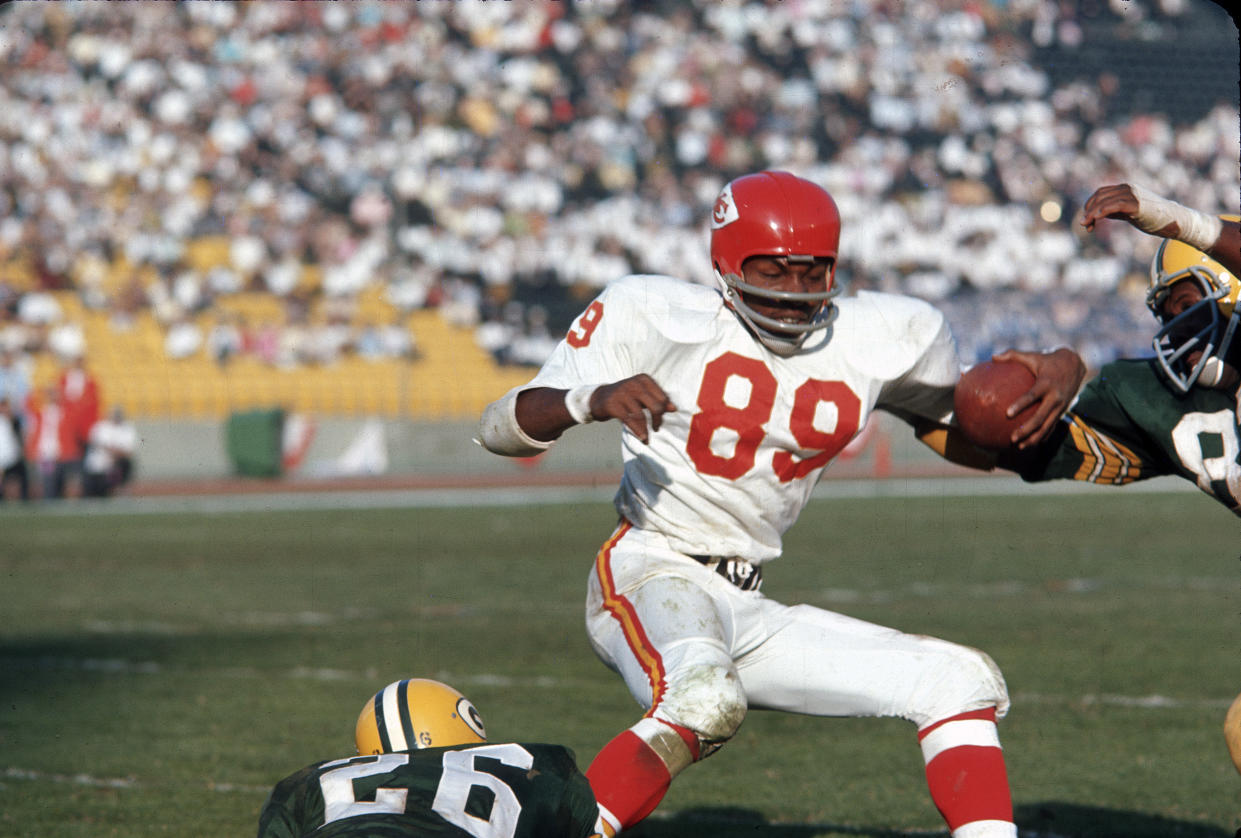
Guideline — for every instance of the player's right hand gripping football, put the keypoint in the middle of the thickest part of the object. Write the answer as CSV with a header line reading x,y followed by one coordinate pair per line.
x,y
1058,375
637,402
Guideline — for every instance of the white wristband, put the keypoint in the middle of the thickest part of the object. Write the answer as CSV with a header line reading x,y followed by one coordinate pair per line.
x,y
1197,229
577,402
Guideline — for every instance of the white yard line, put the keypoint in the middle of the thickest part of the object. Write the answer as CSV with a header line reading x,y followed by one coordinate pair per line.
x,y
118,666
996,486
26,774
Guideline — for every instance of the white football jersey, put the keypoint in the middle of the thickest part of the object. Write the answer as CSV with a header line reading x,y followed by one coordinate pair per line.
x,y
730,470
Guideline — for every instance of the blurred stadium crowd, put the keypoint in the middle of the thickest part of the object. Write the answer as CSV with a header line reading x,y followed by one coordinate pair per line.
x,y
502,160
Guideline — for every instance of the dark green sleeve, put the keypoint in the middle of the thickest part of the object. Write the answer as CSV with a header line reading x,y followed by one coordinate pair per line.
x,y
579,802
1117,431
1127,425
281,816
573,810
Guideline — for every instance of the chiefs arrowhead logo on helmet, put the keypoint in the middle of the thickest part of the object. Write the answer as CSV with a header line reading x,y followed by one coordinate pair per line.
x,y
725,210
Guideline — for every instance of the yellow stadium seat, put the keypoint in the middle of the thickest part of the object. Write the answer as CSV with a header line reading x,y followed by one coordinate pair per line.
x,y
452,379
208,252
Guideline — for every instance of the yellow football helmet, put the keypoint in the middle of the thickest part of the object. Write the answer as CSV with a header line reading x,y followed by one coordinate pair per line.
x,y
1208,326
417,713
1232,731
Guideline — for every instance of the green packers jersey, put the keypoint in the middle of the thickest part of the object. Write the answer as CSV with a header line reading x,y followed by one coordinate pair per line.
x,y
1127,425
485,791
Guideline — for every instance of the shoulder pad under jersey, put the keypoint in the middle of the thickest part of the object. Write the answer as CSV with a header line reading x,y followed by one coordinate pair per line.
x,y
682,311
893,329
904,318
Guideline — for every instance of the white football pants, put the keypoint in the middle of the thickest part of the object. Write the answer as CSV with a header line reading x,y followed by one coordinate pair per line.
x,y
697,651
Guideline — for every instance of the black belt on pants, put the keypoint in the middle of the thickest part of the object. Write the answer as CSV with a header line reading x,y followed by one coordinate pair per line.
x,y
746,576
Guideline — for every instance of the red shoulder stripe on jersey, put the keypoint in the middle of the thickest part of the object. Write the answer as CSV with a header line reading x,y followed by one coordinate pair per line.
x,y
623,612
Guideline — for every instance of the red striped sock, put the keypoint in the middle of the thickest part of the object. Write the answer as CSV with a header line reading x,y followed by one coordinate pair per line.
x,y
966,774
629,777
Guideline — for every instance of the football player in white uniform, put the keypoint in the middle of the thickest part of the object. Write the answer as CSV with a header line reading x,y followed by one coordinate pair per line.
x,y
732,402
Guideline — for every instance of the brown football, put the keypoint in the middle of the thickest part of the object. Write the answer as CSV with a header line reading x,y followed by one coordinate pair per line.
x,y
983,394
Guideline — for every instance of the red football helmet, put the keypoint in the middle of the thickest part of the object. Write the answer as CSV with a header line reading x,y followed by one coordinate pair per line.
x,y
775,214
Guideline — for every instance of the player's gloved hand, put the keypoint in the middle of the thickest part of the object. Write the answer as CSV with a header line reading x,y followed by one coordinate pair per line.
x,y
632,401
1058,375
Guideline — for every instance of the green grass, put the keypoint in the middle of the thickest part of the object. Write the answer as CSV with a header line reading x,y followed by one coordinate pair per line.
x,y
159,673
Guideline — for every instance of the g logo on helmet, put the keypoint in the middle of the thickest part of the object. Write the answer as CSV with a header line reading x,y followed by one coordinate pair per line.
x,y
471,717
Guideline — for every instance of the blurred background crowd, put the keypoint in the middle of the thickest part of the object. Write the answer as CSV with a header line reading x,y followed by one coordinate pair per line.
x,y
500,161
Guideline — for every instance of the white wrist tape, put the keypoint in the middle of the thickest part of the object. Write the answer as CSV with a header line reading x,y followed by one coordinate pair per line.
x,y
1197,229
577,402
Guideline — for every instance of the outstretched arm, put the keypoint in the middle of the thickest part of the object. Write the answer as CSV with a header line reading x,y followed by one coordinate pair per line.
x,y
1227,250
1218,238
1058,375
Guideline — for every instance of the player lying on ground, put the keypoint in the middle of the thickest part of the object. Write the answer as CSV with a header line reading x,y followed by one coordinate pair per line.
x,y
732,402
424,768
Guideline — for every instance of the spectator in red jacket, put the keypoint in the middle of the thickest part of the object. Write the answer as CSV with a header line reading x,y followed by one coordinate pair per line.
x,y
79,393
52,442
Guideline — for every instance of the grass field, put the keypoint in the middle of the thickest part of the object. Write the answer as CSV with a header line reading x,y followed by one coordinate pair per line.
x,y
159,672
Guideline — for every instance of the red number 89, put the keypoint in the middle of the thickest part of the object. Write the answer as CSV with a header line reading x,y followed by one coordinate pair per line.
x,y
747,421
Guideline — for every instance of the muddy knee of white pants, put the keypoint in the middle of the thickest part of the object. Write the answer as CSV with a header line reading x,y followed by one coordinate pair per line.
x,y
959,679
708,699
